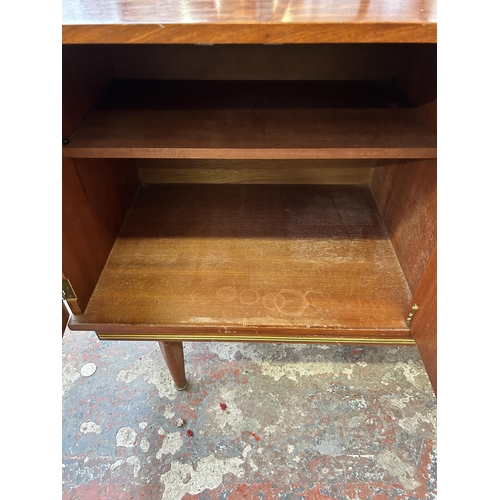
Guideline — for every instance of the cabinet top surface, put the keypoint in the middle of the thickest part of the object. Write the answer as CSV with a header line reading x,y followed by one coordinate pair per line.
x,y
248,21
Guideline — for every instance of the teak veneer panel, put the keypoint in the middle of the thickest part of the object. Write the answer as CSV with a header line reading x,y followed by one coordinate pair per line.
x,y
424,324
198,262
256,171
253,120
406,196
96,196
248,21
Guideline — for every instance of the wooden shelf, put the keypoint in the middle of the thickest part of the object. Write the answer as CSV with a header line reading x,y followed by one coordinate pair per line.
x,y
253,120
251,262
236,21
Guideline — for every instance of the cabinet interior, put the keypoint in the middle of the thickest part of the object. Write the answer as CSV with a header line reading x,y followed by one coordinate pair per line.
x,y
273,192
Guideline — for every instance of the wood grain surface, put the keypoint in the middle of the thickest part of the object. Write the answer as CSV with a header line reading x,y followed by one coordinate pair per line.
x,y
248,21
261,260
253,120
173,354
406,195
424,324
256,171
96,195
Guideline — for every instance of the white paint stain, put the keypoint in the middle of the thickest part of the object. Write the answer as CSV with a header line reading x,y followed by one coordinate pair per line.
x,y
294,370
69,375
357,403
398,402
330,446
271,429
171,443
144,444
246,450
90,427
252,464
413,372
134,461
126,436
208,475
169,411
412,424
153,372
353,422
233,420
290,448
116,464
143,425
161,432
403,472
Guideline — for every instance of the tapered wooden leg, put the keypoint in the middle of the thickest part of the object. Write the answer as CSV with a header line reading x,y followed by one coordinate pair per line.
x,y
174,357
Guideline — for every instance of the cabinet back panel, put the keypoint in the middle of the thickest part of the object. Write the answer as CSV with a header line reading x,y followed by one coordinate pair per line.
x,y
260,62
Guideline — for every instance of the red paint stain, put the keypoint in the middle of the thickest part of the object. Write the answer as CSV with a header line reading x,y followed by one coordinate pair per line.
x,y
223,406
257,438
228,370
189,433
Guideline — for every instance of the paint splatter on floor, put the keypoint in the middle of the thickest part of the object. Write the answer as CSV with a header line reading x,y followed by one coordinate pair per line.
x,y
301,422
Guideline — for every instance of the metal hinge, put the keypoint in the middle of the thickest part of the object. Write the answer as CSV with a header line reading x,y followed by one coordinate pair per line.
x,y
67,290
409,319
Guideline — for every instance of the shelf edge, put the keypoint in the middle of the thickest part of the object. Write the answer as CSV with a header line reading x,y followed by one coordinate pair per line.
x,y
252,153
251,33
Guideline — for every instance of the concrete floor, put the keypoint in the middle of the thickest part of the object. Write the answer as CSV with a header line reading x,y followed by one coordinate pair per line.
x,y
302,422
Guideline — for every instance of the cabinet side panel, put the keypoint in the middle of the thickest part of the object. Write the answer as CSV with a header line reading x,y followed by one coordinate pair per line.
x,y
96,195
424,324
406,198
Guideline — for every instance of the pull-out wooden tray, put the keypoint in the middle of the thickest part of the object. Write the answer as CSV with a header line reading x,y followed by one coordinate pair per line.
x,y
251,263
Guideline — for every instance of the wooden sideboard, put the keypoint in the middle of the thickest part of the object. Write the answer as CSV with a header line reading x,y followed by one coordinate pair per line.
x,y
250,171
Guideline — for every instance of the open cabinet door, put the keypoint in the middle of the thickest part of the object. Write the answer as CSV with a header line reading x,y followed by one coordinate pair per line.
x,y
424,323
65,317
96,195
